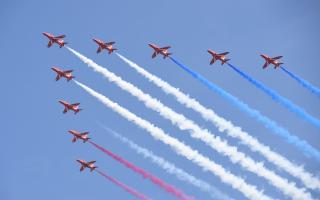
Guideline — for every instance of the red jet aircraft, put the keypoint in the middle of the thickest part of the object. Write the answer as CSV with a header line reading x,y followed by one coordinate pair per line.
x,y
89,165
67,107
81,136
275,61
104,45
67,74
162,50
218,56
55,39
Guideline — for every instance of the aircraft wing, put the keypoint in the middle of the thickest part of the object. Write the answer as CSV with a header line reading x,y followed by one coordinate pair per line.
x,y
68,71
57,77
60,36
265,65
91,162
154,54
84,133
65,110
50,43
167,47
213,60
278,57
75,104
109,43
82,168
224,53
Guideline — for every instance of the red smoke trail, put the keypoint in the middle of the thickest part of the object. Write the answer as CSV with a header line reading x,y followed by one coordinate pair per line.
x,y
169,188
123,186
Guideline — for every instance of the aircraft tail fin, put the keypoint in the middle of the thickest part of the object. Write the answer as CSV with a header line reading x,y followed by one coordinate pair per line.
x,y
71,77
278,65
224,61
112,50
93,168
75,112
167,55
62,44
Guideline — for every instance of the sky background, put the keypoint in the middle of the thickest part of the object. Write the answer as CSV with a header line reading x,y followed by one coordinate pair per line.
x,y
37,156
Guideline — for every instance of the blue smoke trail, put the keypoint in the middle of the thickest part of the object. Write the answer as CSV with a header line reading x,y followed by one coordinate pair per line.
x,y
283,101
304,83
302,145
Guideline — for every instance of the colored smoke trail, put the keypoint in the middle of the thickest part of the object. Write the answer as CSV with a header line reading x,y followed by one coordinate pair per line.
x,y
226,126
168,188
303,82
278,98
302,145
171,168
181,149
123,186
215,142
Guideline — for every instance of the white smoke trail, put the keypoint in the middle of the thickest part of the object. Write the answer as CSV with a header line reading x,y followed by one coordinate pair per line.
x,y
223,125
180,148
221,146
170,167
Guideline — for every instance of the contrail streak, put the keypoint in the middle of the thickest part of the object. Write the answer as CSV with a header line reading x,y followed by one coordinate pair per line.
x,y
215,142
168,188
123,186
302,145
303,82
180,148
278,98
171,168
226,126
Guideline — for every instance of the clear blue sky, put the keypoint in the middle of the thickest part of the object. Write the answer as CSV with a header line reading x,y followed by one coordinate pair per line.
x,y
37,156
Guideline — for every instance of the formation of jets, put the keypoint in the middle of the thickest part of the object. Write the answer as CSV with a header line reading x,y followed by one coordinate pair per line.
x,y
164,51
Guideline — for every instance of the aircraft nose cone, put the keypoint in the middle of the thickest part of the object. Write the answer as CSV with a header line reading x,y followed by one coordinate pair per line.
x,y
150,44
